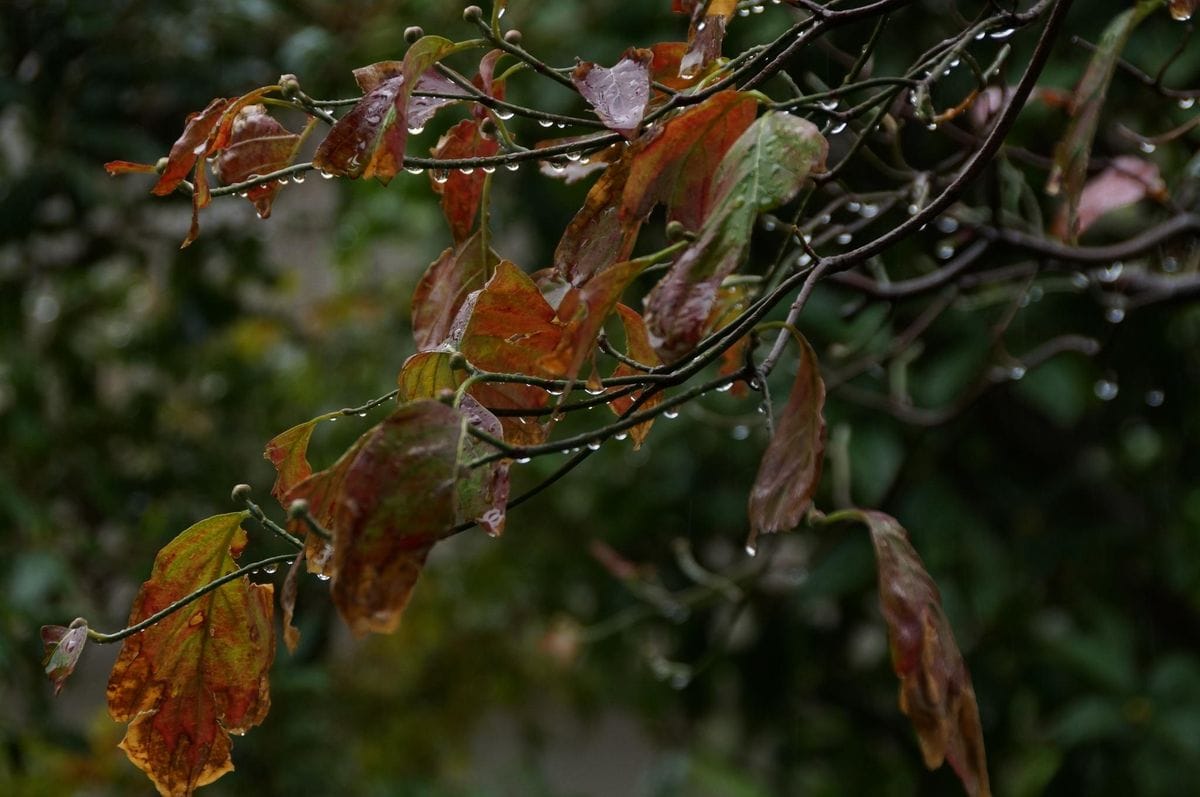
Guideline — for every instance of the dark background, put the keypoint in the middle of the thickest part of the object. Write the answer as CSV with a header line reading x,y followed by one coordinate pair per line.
x,y
139,382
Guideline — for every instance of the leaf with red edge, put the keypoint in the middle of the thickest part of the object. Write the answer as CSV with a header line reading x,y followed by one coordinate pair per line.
x,y
190,147
935,687
287,603
389,499
1125,181
764,169
63,646
461,192
618,94
129,167
790,470
445,286
706,33
1071,156
598,236
369,140
428,375
676,166
637,348
197,675
258,145
288,452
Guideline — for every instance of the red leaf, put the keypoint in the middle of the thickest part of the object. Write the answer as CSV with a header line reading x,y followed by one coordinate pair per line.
x,y
369,140
445,286
128,167
1126,180
598,236
618,94
191,146
461,192
935,687
790,470
198,675
63,647
287,603
258,144
637,347
677,165
764,168
731,302
705,34
664,68
288,452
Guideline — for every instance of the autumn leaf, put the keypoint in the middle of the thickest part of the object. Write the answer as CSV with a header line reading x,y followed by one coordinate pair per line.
x,y
1125,181
1069,171
191,145
676,163
482,492
1182,10
115,168
63,647
445,286
705,34
790,471
638,348
598,236
664,66
731,302
369,140
427,374
935,688
764,168
462,192
288,452
258,145
190,680
618,94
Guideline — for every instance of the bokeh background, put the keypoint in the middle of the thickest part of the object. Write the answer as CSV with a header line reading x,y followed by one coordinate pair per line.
x,y
139,382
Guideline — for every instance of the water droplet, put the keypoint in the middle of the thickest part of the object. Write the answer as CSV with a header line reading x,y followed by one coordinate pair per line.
x,y
756,9
362,415
594,445
500,12
853,207
440,176
323,576
297,178
1155,398
769,224
1180,12
467,170
945,251
751,548
243,194
593,391
487,169
413,169
416,131
845,238
1114,315
869,211
981,35
1000,35
1016,373
1105,389
620,436
946,224
503,116
837,128
561,125
725,388
1080,280
1147,146
512,167
762,409
524,460
743,12
332,420
701,26
931,126
271,568
326,176
546,122
554,392
670,414
1186,103
1112,273
740,432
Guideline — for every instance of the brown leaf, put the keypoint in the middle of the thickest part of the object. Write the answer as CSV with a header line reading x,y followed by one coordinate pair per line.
x,y
445,286
664,68
598,236
461,192
1182,10
618,94
790,471
63,647
705,34
288,452
935,687
731,302
287,603
192,145
676,166
129,167
196,676
1127,180
638,348
258,145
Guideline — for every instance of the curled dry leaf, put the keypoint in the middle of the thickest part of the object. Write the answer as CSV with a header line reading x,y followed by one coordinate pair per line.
x,y
63,646
618,94
935,687
288,452
196,676
1125,181
790,471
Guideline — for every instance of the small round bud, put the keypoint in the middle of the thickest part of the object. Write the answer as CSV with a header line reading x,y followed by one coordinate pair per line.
x,y
458,361
472,13
487,127
290,86
411,34
676,231
160,165
240,492
445,395
297,508
513,37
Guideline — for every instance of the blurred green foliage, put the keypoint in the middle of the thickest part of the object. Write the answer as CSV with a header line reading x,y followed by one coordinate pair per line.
x,y
138,383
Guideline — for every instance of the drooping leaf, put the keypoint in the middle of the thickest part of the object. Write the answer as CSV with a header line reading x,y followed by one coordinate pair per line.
x,y
369,140
63,647
129,167
288,452
427,374
191,145
287,603
637,347
705,34
485,81
790,470
388,500
1071,156
935,687
598,236
259,145
676,166
618,94
196,676
1125,181
764,168
482,491
445,286
461,192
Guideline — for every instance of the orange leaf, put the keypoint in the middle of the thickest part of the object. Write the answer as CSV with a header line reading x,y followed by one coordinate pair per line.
x,y
198,675
258,144
444,289
129,167
191,146
935,687
598,235
790,470
461,192
288,452
637,347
